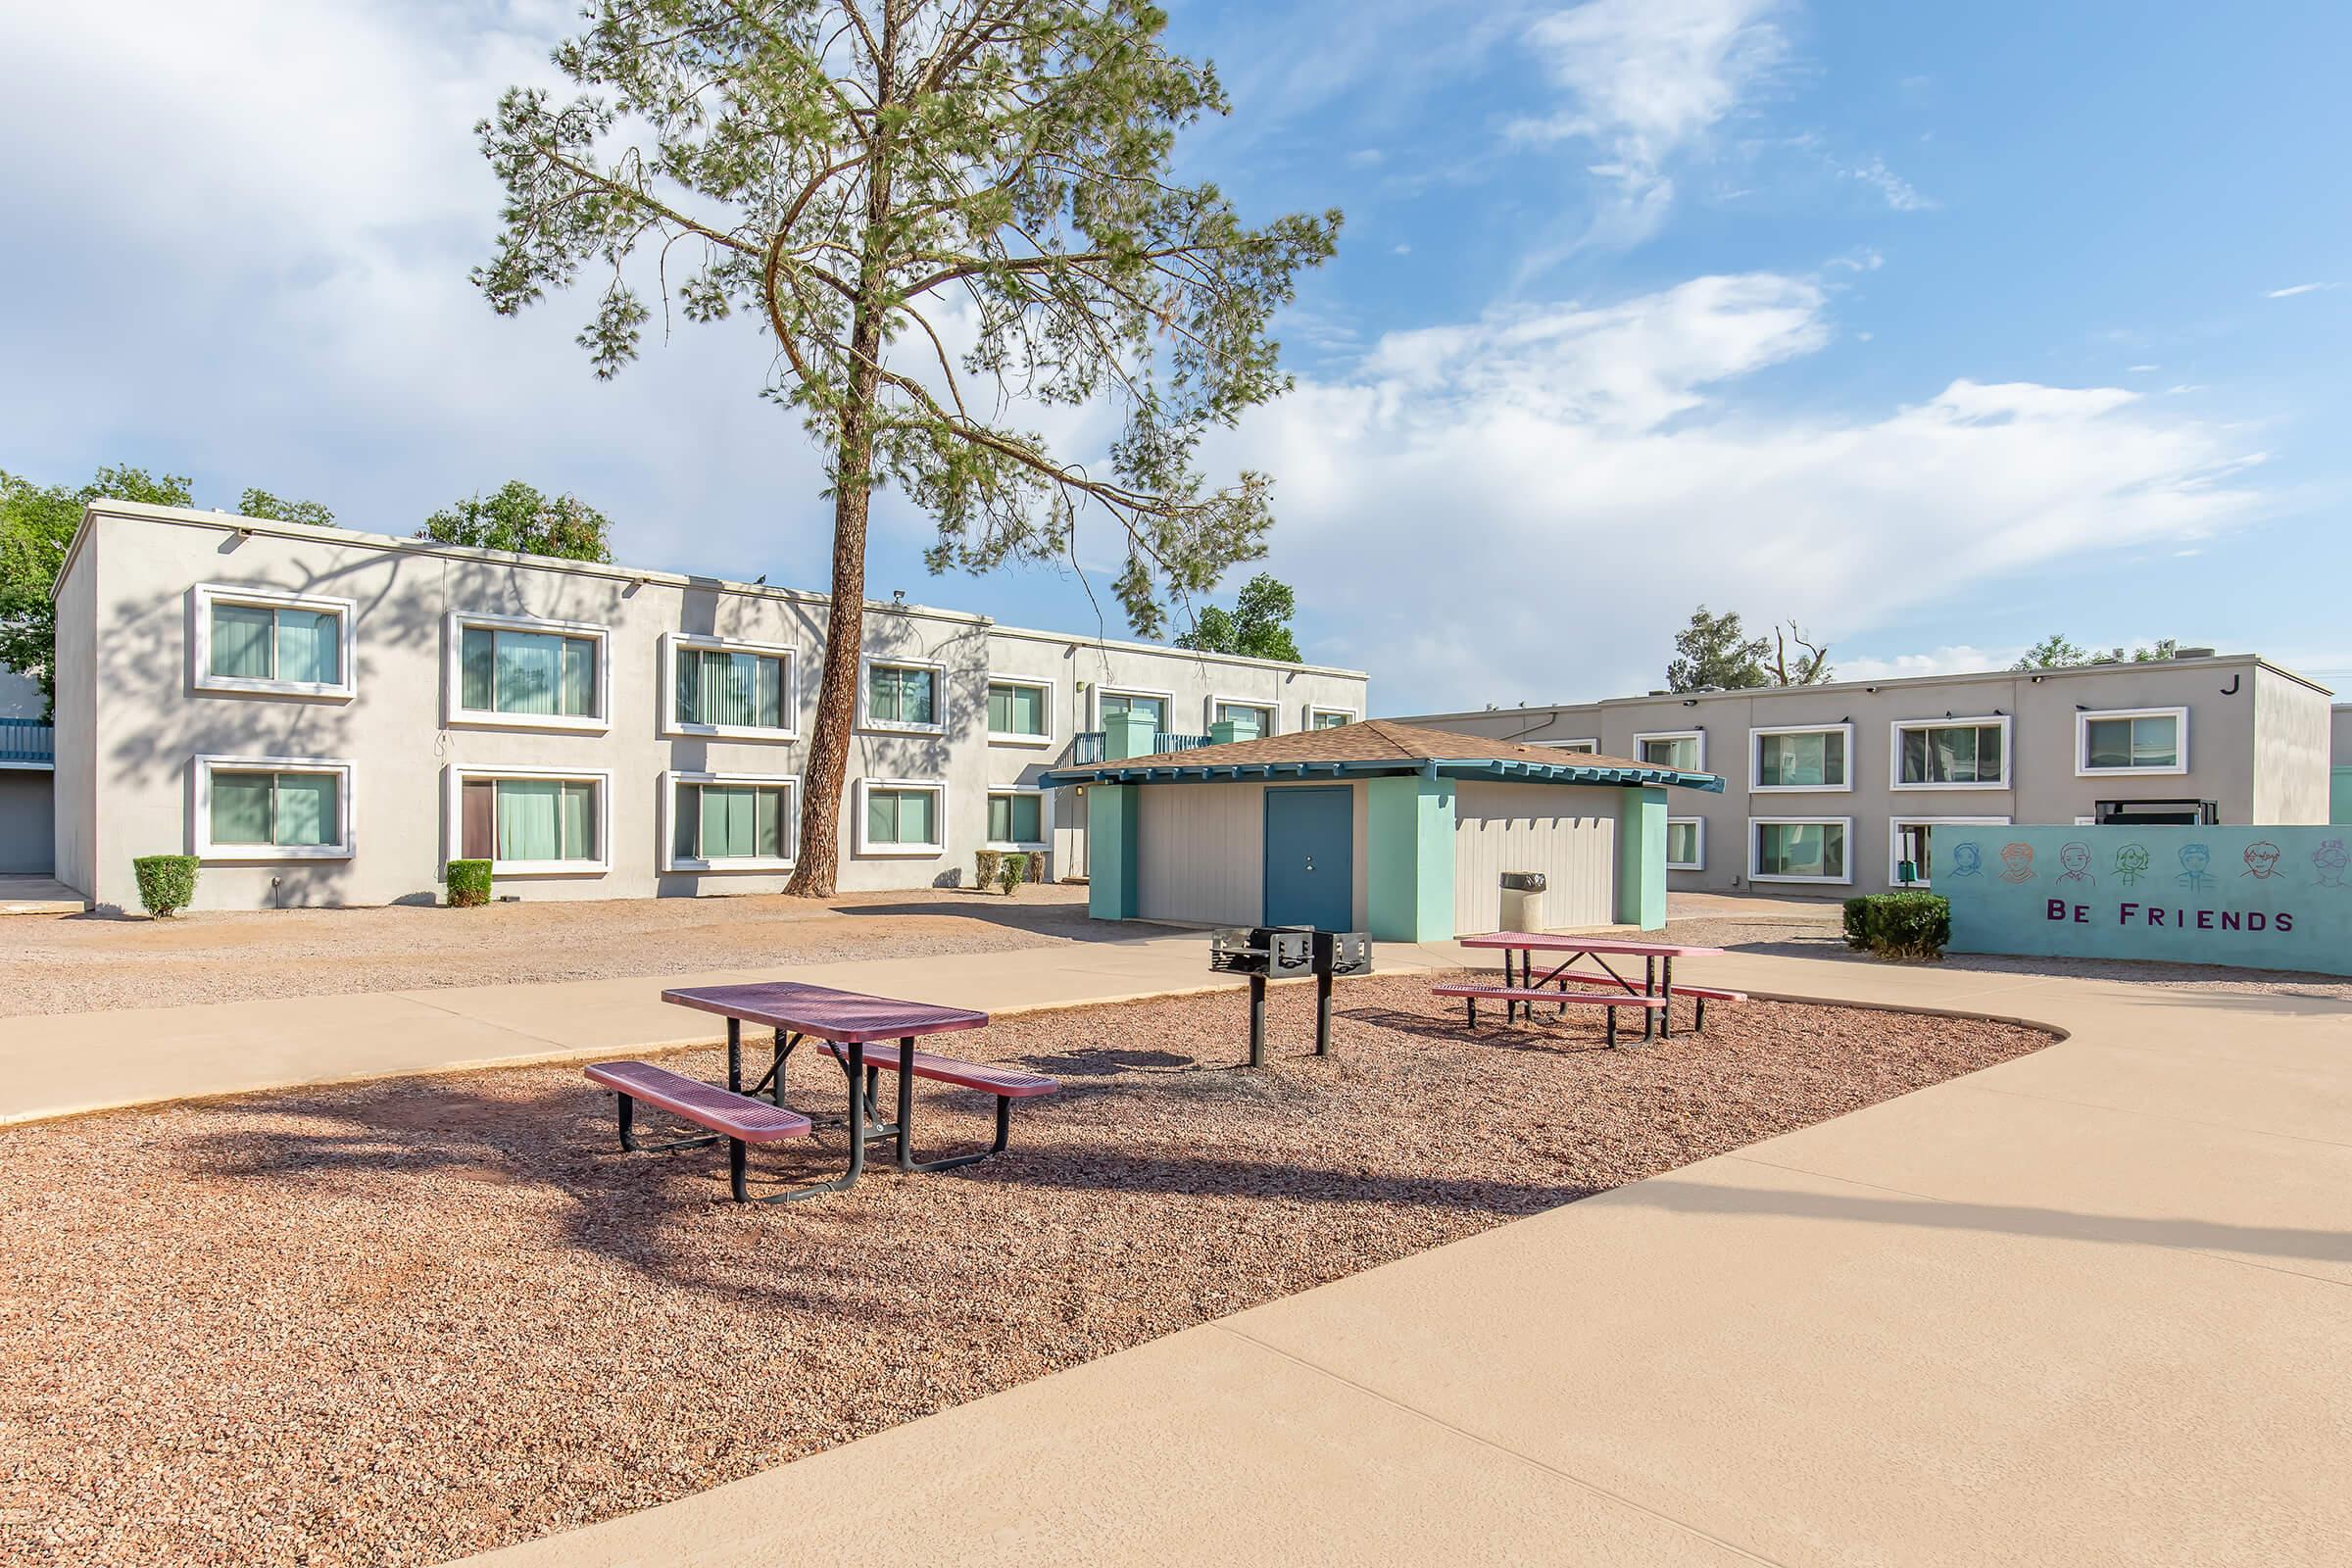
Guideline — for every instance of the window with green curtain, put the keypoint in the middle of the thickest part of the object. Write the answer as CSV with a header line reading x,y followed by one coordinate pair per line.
x,y
309,648
1116,704
1800,849
263,642
731,821
1247,722
718,686
1952,754
902,816
1681,842
1680,751
1017,710
1814,757
1015,818
1327,719
2146,740
899,693
242,641
546,820
291,810
531,674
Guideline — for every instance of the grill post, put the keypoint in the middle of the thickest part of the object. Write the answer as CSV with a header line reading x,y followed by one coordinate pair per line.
x,y
1258,1020
1323,1012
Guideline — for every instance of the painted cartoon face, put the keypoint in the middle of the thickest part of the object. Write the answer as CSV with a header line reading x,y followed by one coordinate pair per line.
x,y
2017,857
2131,857
1967,859
2075,857
2262,857
2195,858
2331,855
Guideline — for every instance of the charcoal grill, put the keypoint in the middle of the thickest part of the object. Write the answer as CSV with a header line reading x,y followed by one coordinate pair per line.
x,y
1281,952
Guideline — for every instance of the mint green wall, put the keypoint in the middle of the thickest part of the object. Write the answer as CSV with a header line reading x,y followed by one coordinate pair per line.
x,y
1641,857
1113,813
1409,874
1126,735
2339,795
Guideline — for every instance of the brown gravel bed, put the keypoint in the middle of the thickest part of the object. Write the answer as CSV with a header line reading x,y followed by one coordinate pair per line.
x,y
87,962
397,1323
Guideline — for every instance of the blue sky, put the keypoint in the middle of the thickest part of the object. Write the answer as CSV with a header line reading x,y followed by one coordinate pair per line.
x,y
1936,328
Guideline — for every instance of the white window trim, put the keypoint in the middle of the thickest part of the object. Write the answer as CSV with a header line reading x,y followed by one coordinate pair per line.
x,y
1004,737
1315,710
1845,822
2083,718
1271,708
453,819
1755,759
1589,744
201,796
200,644
1167,700
1895,837
676,728
939,819
1045,818
673,862
1698,735
1894,750
868,663
453,674
1700,864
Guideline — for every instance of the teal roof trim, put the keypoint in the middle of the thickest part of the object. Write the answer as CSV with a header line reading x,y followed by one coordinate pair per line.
x,y
1499,769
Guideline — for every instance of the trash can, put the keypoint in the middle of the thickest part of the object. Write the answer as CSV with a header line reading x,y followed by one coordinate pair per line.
x,y
1522,901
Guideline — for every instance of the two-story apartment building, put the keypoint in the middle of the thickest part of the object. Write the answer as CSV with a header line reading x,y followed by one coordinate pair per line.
x,y
1831,789
328,716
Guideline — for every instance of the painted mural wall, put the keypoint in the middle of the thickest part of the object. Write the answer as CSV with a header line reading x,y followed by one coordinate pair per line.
x,y
2262,897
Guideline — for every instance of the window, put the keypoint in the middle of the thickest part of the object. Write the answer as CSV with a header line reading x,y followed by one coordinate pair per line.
x,y
1329,717
903,695
1016,818
1685,750
513,672
729,822
260,642
1913,838
1685,844
2134,740
1117,705
1020,713
1249,720
722,687
1968,754
1802,758
531,821
901,816
272,809
1586,747
1802,849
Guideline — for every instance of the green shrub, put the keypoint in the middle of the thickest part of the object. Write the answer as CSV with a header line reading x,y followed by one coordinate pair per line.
x,y
1900,925
1013,872
469,883
991,867
167,883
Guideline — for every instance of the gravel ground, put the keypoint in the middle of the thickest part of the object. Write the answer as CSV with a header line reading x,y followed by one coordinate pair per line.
x,y
86,962
1808,930
401,1322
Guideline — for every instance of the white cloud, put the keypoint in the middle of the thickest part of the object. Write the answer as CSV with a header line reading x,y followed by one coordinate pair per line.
x,y
1647,79
1953,659
2293,289
1898,191
1529,504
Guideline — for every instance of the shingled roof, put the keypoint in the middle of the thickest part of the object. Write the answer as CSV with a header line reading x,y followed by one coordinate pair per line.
x,y
1375,747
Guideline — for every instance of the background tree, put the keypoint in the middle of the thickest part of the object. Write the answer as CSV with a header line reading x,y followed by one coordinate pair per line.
x,y
1259,626
1715,650
261,504
2055,652
518,518
872,180
1812,665
36,524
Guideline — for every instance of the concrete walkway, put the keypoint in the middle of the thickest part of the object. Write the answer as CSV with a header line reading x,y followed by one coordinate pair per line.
x,y
38,895
2087,1306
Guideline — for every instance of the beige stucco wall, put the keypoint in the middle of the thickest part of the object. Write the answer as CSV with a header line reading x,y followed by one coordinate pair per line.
x,y
1201,853
2292,742
1569,834
2044,786
141,721
73,799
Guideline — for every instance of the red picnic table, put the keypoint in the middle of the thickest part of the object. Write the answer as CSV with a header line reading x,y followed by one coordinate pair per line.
x,y
1654,956
852,1021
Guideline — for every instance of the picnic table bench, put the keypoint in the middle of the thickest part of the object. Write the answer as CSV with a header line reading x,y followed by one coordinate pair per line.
x,y
1512,995
1658,965
854,1028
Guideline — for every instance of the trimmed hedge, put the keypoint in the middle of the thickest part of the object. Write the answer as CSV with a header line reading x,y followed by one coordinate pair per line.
x,y
1900,925
1012,873
469,883
167,883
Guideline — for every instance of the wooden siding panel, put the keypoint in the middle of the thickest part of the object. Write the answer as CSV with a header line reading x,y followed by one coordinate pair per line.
x,y
1201,853
1569,834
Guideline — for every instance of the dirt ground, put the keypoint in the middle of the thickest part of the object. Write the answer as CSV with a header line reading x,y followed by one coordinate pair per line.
x,y
86,962
397,1323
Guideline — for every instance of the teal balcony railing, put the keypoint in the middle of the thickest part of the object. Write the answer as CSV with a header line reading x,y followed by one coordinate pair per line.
x,y
1089,746
27,742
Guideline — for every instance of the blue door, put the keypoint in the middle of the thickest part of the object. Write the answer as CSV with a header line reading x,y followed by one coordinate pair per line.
x,y
1310,858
